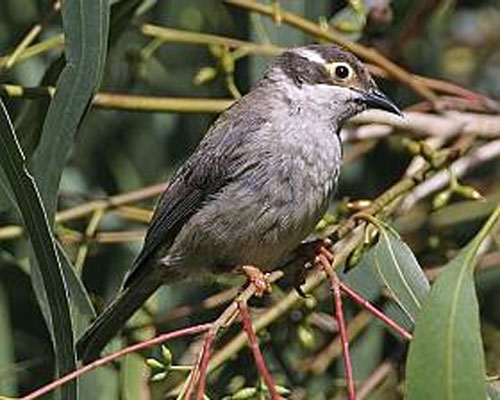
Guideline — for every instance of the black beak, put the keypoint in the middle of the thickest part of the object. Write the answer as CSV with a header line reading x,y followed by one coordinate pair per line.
x,y
376,99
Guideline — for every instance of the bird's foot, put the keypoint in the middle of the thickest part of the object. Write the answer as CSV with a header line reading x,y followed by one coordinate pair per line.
x,y
310,250
317,253
258,278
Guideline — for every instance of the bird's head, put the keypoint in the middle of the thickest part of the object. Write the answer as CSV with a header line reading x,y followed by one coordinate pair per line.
x,y
329,79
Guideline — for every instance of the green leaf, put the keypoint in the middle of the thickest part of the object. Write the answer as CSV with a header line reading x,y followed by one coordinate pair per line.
x,y
400,272
446,359
86,26
8,381
83,310
37,226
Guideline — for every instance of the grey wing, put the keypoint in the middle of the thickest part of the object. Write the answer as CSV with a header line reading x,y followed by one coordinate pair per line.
x,y
205,173
178,203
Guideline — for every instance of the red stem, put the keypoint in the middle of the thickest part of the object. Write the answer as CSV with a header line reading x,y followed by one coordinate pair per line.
x,y
205,358
376,312
104,360
344,340
254,346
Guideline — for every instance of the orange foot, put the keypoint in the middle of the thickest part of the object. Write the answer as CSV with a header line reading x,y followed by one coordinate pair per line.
x,y
258,279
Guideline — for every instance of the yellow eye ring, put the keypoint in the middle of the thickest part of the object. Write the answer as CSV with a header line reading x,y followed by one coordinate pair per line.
x,y
340,71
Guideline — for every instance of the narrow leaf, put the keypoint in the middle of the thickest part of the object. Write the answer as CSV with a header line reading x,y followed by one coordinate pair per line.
x,y
8,381
446,359
86,26
399,271
33,214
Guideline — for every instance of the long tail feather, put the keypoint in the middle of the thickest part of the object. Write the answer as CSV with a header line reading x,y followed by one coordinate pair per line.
x,y
112,319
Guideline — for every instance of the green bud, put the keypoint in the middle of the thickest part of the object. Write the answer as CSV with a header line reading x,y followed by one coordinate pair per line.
x,y
167,356
468,192
359,204
227,62
306,336
159,376
310,302
441,199
282,390
434,241
204,75
216,50
355,257
244,394
154,363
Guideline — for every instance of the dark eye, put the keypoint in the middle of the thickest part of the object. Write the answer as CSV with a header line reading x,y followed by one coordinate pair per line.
x,y
342,71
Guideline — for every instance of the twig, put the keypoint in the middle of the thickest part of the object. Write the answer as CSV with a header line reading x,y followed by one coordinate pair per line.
x,y
197,375
319,363
184,310
117,101
33,50
90,232
170,35
339,316
459,168
205,358
375,379
30,37
360,50
376,312
193,330
436,161
377,124
12,231
254,346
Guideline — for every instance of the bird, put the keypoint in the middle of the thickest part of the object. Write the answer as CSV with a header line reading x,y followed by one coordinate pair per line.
x,y
257,184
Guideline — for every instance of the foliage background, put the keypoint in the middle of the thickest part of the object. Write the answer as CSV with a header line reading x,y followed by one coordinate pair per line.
x,y
118,151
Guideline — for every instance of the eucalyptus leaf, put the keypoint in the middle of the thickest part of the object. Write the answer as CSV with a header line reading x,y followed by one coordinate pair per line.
x,y
8,378
400,272
446,359
86,28
46,263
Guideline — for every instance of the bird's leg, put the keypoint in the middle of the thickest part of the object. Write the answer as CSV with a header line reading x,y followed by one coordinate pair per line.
x,y
311,252
258,278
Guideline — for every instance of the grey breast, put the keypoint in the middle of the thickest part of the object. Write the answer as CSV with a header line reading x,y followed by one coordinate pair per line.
x,y
281,171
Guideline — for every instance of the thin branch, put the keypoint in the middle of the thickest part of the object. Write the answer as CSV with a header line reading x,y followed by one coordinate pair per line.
x,y
376,312
198,374
90,232
82,210
36,49
32,34
170,35
377,124
358,49
459,168
193,330
254,346
375,379
116,101
319,363
339,316
204,359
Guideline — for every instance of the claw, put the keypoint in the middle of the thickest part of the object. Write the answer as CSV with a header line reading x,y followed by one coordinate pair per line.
x,y
258,279
300,292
